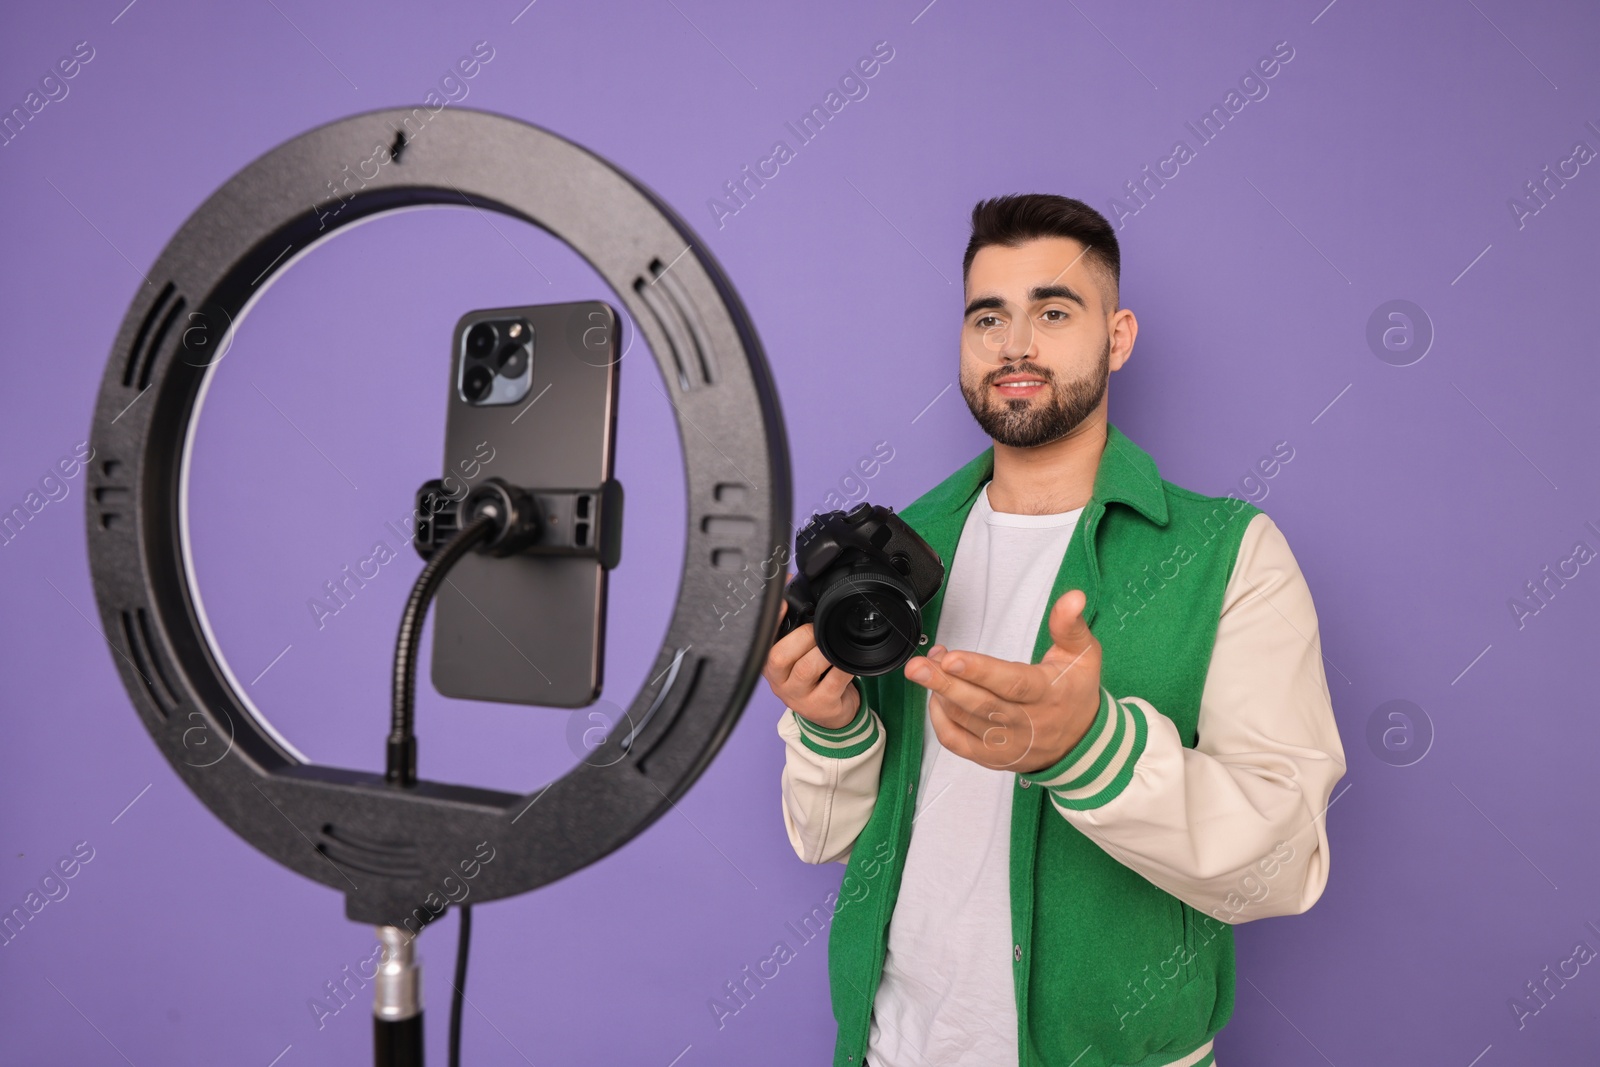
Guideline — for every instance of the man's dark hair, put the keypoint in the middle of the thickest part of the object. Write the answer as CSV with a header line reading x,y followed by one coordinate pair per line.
x,y
1011,220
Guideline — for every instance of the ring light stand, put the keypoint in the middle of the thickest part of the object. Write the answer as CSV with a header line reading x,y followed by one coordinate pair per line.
x,y
387,847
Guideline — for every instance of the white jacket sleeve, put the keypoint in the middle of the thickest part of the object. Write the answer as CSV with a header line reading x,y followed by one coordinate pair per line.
x,y
830,782
1234,826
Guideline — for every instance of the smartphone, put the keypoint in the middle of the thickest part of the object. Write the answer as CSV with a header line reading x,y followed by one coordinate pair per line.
x,y
533,401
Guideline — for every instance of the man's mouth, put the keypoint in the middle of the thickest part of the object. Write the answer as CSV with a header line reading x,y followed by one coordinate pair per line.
x,y
1019,385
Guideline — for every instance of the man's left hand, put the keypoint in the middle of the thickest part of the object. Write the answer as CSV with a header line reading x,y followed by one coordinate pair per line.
x,y
1016,716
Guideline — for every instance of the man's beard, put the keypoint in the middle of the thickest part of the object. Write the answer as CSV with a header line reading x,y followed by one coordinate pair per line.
x,y
1021,423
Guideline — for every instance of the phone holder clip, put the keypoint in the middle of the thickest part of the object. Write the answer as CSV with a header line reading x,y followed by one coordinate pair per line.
x,y
537,522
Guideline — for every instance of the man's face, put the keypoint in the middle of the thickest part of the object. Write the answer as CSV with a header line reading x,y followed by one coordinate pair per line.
x,y
1036,351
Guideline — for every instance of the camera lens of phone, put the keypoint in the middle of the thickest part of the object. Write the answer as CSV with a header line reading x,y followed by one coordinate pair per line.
x,y
477,383
513,360
481,340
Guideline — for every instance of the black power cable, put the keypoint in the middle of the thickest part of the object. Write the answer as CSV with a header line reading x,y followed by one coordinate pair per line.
x,y
463,943
401,765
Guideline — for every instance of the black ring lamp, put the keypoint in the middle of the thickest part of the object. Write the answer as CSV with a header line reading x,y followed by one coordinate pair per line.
x,y
385,847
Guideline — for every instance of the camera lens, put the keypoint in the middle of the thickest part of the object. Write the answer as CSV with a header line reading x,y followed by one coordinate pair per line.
x,y
513,360
481,339
478,382
867,621
864,624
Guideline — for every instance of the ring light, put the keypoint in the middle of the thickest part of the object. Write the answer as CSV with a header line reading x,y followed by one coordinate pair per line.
x,y
384,847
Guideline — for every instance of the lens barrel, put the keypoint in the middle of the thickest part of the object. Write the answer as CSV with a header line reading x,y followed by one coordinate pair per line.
x,y
867,622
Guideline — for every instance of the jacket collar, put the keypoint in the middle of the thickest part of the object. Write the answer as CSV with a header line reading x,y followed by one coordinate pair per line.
x,y
1126,474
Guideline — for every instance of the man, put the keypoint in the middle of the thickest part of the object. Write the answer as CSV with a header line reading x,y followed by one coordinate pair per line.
x,y
1146,656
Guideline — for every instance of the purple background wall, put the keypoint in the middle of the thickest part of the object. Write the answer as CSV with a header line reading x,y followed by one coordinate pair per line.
x,y
1380,165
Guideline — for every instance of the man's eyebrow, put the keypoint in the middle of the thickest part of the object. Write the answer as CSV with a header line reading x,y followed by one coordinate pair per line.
x,y
1057,291
1054,291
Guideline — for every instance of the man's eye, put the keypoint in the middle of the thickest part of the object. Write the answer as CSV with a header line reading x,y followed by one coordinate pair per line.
x,y
1062,315
986,321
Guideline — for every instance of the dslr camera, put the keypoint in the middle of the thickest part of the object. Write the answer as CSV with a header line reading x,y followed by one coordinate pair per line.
x,y
862,578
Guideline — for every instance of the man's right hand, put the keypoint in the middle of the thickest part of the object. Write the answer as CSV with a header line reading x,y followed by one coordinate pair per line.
x,y
799,676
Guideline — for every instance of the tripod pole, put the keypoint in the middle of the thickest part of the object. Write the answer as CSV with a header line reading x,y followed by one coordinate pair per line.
x,y
397,1002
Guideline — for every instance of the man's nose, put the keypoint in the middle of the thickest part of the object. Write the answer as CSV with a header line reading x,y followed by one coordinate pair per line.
x,y
1018,341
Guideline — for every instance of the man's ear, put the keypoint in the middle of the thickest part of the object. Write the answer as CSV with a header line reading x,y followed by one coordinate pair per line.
x,y
1123,328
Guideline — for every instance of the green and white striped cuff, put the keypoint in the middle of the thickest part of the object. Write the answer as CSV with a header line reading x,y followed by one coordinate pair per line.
x,y
844,742
1200,1057
1100,766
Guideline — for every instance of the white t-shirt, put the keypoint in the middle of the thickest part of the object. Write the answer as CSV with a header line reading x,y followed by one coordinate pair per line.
x,y
946,997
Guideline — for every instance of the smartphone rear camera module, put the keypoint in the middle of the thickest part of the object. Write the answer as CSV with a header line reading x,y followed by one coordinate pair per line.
x,y
497,362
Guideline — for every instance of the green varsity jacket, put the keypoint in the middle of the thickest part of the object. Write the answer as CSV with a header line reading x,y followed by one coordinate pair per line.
x,y
1108,968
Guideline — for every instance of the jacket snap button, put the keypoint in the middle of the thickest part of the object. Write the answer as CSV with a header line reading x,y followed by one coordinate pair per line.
x,y
1026,783
1016,953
